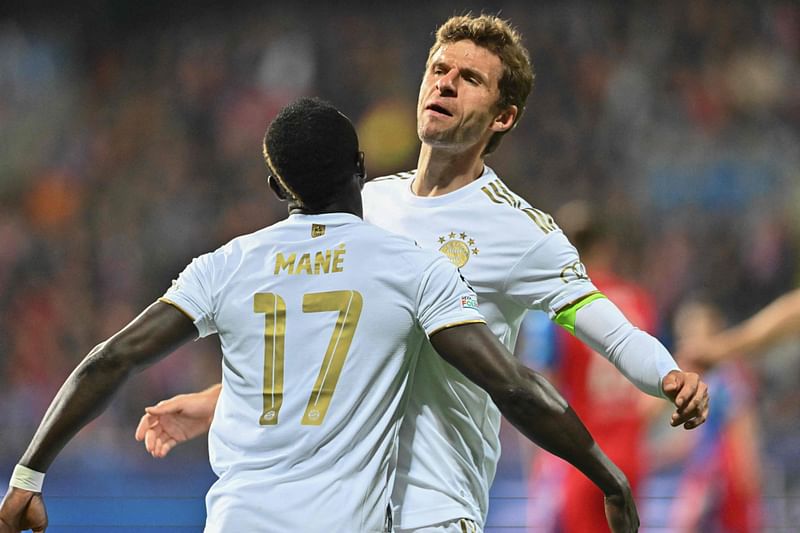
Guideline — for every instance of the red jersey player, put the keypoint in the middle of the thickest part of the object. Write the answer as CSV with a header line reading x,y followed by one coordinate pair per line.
x,y
610,406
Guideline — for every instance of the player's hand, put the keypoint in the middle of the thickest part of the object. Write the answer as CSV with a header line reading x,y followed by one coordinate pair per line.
x,y
690,396
181,418
621,512
22,510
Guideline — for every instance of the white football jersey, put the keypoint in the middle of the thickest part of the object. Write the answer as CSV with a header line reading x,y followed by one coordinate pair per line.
x,y
515,258
320,319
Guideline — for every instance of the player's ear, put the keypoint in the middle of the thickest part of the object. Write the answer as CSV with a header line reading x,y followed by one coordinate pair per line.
x,y
361,169
277,188
504,119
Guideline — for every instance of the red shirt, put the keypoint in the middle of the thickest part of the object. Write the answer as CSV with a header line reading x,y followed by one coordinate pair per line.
x,y
609,405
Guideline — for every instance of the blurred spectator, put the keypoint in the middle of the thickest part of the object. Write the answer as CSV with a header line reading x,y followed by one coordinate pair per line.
x,y
777,322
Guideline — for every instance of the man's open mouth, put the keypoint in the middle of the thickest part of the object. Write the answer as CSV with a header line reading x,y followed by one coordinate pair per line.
x,y
439,109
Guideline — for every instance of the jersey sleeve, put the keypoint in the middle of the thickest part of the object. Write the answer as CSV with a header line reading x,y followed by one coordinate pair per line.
x,y
192,293
640,357
549,276
444,299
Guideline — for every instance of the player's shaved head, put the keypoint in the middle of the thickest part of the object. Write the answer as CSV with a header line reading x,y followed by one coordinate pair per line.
x,y
311,149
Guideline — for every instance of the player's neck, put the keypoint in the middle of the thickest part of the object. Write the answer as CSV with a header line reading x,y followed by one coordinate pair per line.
x,y
440,172
332,208
348,201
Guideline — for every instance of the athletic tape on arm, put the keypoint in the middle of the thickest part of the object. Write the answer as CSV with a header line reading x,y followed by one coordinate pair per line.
x,y
566,317
26,478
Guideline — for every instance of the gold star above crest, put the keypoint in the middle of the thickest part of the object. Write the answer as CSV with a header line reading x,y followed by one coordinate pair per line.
x,y
458,247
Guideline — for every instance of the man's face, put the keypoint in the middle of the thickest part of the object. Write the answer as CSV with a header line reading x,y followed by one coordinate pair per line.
x,y
458,96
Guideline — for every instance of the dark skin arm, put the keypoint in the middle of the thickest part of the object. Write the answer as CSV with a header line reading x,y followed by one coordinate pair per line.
x,y
525,397
156,332
538,411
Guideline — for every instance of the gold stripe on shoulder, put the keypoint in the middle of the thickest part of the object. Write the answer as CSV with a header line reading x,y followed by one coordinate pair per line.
x,y
499,193
488,193
176,306
455,324
534,215
502,186
548,220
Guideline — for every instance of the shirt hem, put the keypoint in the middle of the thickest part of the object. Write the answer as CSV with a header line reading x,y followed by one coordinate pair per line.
x,y
434,516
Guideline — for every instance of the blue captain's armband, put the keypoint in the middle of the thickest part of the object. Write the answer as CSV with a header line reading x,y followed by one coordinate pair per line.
x,y
566,316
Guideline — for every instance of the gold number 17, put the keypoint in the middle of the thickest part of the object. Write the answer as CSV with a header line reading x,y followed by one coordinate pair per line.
x,y
348,304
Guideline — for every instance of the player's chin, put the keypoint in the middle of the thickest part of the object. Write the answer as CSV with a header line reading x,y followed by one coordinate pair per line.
x,y
437,137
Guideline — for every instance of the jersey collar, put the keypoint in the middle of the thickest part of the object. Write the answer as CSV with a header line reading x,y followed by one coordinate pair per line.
x,y
453,196
324,218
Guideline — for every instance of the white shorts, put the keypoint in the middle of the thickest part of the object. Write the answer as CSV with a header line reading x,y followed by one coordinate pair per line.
x,y
461,525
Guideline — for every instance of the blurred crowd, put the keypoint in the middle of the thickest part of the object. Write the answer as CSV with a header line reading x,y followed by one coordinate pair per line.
x,y
130,142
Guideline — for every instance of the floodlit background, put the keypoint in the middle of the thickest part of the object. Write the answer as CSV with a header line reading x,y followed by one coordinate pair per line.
x,y
130,142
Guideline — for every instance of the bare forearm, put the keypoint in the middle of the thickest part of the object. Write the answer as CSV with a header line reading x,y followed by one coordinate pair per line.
x,y
87,391
539,412
213,392
528,401
82,397
777,321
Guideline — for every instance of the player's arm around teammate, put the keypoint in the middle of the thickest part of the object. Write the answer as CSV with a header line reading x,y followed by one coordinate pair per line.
x,y
527,399
524,397
178,419
538,411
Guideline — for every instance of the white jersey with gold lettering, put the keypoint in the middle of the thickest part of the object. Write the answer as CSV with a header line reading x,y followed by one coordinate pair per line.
x,y
320,319
515,258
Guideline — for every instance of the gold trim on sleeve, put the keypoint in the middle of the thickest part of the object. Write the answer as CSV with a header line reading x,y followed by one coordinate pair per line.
x,y
578,300
454,324
178,307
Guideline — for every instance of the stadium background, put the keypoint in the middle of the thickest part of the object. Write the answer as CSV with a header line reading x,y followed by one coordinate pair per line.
x,y
130,142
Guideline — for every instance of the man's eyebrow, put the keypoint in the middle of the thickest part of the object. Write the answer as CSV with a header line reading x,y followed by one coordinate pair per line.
x,y
467,72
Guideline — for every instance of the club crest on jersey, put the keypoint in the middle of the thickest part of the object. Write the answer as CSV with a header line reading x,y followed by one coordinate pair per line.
x,y
317,230
469,301
458,247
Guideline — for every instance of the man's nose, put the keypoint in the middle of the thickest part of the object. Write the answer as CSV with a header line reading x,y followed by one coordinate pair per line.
x,y
447,83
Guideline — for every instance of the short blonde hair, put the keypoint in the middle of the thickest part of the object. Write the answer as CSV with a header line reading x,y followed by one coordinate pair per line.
x,y
497,36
